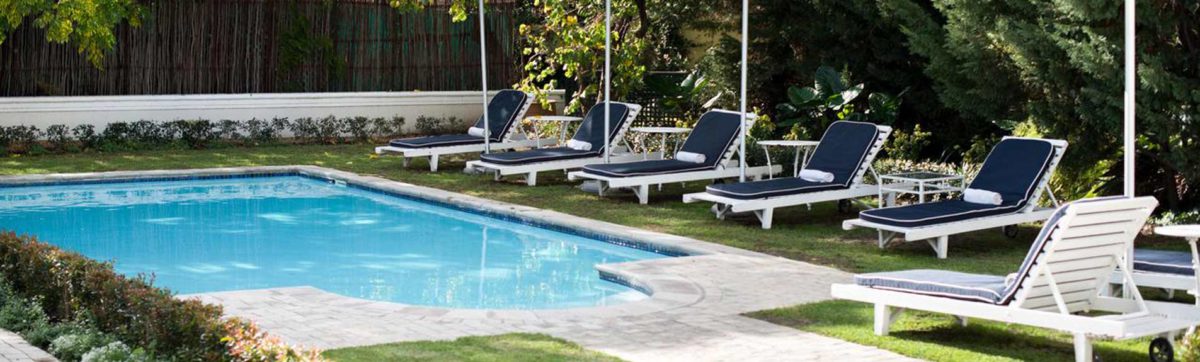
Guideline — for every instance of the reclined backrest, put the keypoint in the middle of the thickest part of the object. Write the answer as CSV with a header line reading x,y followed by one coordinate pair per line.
x,y
713,135
1079,247
1015,168
591,129
503,111
844,148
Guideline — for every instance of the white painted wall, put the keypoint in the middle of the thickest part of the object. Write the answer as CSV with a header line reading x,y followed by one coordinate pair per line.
x,y
101,110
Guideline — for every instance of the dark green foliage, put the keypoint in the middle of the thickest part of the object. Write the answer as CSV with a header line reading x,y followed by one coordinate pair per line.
x,y
385,128
68,285
20,139
329,130
86,135
1060,66
261,131
810,110
227,130
59,137
195,134
358,128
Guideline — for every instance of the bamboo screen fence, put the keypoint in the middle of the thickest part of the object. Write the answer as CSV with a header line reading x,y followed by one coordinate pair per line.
x,y
269,46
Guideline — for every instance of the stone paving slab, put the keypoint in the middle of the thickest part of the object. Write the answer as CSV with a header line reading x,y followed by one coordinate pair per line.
x,y
14,348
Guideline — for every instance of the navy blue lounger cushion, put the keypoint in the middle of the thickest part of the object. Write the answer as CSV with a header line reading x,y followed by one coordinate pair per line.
x,y
503,111
436,141
843,149
589,131
535,156
1013,169
770,188
974,287
1163,261
713,135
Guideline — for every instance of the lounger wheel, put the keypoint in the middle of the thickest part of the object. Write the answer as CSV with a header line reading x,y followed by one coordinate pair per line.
x,y
1010,231
1161,350
844,206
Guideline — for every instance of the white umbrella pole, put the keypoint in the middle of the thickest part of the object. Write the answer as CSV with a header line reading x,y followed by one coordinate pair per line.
x,y
742,106
1130,90
487,129
607,73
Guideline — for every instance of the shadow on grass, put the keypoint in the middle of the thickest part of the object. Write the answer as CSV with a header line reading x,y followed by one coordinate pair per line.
x,y
939,337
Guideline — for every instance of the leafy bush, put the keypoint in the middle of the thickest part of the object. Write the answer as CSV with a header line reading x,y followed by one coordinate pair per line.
x,y
59,137
359,128
227,129
247,343
20,139
54,285
329,130
305,129
385,128
261,131
117,136
72,347
86,134
147,133
115,352
196,134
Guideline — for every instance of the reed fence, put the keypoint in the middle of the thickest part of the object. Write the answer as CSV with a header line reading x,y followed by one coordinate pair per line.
x,y
272,46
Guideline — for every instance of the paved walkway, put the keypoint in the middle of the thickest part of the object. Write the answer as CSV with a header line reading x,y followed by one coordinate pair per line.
x,y
694,314
15,349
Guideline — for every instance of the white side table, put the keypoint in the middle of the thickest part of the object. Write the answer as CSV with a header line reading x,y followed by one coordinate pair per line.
x,y
919,183
1191,233
563,121
805,146
666,132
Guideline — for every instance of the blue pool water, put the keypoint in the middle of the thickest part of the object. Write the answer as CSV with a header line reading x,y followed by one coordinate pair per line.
x,y
281,231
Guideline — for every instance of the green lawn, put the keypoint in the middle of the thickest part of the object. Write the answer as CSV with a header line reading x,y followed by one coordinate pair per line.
x,y
937,337
814,236
506,347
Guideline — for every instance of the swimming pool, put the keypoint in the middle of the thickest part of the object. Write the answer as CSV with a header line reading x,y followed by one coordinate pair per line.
x,y
237,233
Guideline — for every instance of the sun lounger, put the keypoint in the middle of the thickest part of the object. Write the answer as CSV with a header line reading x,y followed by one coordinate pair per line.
x,y
1017,172
846,151
1058,286
709,150
564,157
505,110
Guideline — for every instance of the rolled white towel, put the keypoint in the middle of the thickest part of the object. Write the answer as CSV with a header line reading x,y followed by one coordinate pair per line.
x,y
690,157
977,196
816,176
578,145
477,132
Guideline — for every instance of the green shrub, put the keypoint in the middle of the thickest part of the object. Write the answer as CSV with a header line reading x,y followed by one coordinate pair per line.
x,y
59,137
115,352
385,128
68,285
359,128
86,135
72,347
329,130
22,315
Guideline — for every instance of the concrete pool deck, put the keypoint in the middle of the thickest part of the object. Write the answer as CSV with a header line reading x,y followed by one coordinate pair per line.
x,y
693,312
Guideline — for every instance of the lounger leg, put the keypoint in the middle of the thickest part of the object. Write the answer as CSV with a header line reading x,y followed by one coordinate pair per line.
x,y
962,321
765,216
643,194
531,179
404,161
433,163
941,246
884,317
1083,348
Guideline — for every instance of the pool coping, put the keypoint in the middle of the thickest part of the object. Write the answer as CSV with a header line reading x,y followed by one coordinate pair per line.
x,y
665,291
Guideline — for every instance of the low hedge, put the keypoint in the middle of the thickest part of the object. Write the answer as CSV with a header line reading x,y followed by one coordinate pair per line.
x,y
69,287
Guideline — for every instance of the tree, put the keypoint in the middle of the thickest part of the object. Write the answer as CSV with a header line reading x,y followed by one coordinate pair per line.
x,y
88,24
1057,65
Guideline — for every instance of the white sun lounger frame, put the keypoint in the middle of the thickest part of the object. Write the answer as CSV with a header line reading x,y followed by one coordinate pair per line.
x,y
1089,241
938,235
620,153
512,140
764,208
640,185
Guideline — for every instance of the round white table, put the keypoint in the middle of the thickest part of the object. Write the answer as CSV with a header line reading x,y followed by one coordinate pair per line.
x,y
563,121
666,132
805,146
